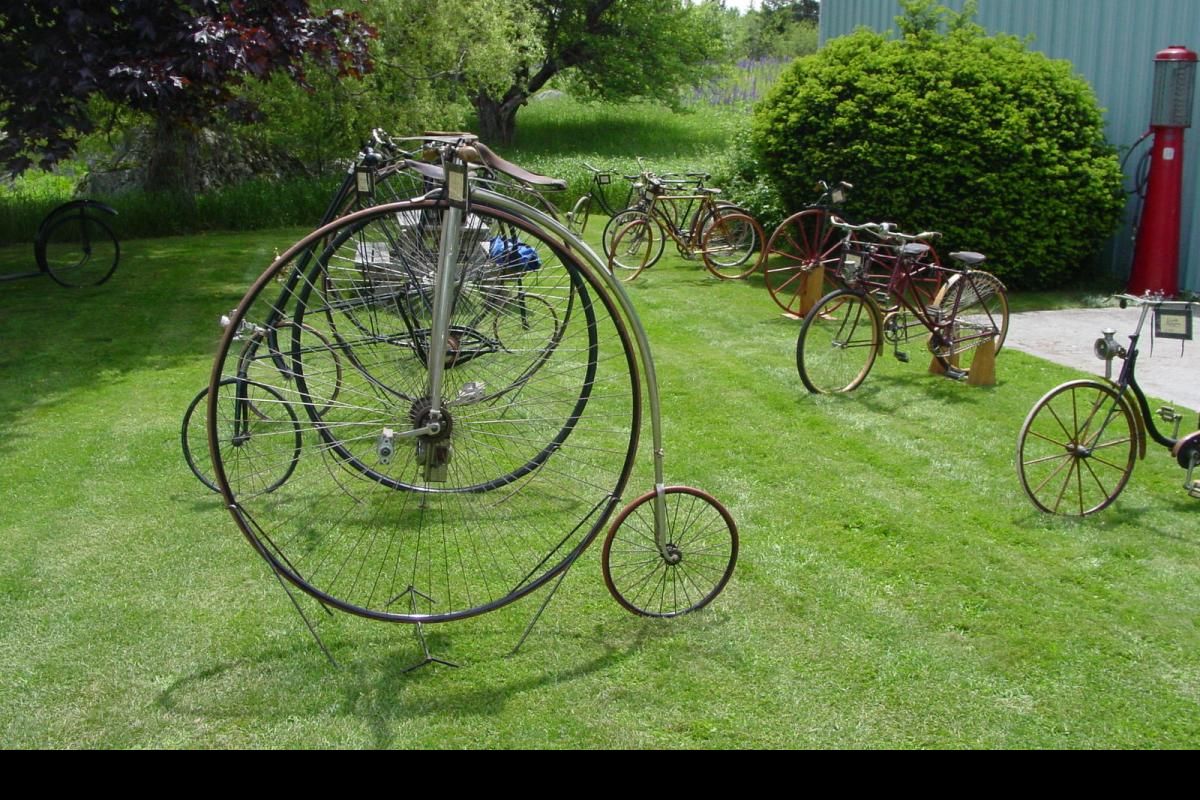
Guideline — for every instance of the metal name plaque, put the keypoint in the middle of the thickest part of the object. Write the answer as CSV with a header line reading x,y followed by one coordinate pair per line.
x,y
1173,323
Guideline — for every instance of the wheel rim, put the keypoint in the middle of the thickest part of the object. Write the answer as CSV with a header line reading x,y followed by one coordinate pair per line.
x,y
701,545
255,432
624,218
194,439
1077,449
540,427
632,248
838,343
982,307
801,244
78,250
728,244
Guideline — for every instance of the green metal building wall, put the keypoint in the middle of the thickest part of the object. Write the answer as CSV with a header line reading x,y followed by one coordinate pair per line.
x,y
1111,43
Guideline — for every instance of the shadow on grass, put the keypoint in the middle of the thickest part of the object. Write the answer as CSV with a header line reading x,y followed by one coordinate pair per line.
x,y
158,311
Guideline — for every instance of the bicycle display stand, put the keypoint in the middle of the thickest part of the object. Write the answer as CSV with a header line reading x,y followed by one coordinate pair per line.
x,y
426,410
890,287
983,366
74,246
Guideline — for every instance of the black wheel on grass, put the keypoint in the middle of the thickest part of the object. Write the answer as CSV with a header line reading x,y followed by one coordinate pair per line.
x,y
76,248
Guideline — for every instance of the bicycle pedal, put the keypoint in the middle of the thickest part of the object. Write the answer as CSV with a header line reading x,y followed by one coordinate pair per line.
x,y
901,357
956,374
1193,489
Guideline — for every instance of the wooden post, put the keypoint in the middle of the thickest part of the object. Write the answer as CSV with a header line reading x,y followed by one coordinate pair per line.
x,y
983,368
813,290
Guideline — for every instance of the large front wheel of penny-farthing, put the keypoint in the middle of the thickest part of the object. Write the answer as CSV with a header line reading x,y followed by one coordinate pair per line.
x,y
682,570
407,509
1077,448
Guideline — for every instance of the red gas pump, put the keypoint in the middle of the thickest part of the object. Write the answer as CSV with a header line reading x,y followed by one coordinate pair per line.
x,y
1156,252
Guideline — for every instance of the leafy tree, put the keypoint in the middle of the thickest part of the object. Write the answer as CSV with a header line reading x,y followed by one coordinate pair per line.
x,y
178,60
780,29
613,50
997,146
427,55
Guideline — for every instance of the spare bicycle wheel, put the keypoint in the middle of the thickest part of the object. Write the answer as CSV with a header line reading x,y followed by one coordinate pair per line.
x,y
540,413
77,249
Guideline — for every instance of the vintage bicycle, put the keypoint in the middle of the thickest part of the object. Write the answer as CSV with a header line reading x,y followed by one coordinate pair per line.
x,y
602,195
74,246
485,427
800,255
723,235
1080,442
893,288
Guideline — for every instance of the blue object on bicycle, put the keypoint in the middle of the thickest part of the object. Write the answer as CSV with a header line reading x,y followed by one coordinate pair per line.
x,y
514,255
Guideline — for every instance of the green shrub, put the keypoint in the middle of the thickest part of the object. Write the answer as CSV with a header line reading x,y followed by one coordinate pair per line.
x,y
997,146
741,178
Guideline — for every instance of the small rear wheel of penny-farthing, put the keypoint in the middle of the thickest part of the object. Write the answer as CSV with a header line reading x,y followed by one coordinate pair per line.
x,y
700,546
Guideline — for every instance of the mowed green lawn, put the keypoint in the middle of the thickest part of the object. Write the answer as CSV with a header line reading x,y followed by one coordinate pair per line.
x,y
894,589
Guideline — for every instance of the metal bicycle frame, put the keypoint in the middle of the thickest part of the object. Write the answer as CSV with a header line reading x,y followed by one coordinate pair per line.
x,y
443,309
1127,379
624,303
901,279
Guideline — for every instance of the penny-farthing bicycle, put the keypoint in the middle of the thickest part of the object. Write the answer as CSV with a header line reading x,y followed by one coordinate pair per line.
x,y
485,425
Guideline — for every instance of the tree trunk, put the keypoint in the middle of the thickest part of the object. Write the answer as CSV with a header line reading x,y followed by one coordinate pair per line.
x,y
174,153
498,118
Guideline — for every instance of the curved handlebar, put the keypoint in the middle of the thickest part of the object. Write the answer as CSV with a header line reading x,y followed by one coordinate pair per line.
x,y
888,231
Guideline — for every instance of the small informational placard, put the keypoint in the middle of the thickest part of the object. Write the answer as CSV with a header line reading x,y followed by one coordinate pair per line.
x,y
603,179
1173,323
364,182
456,183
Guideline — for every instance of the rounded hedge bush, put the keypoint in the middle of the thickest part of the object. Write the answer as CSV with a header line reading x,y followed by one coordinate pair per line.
x,y
996,146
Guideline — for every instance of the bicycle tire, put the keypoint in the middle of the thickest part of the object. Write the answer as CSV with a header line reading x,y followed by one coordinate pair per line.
x,y
289,349
623,218
77,249
728,243
537,443
580,211
799,265
838,343
701,549
1077,448
264,416
632,248
978,302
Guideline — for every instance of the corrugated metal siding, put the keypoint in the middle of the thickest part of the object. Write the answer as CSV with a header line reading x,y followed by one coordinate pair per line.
x,y
1112,44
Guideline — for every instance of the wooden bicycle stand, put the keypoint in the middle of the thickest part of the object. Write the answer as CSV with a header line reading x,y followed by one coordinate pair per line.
x,y
812,292
983,368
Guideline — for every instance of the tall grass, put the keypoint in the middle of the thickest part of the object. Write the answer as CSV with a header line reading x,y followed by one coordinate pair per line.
x,y
555,136
745,84
26,200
